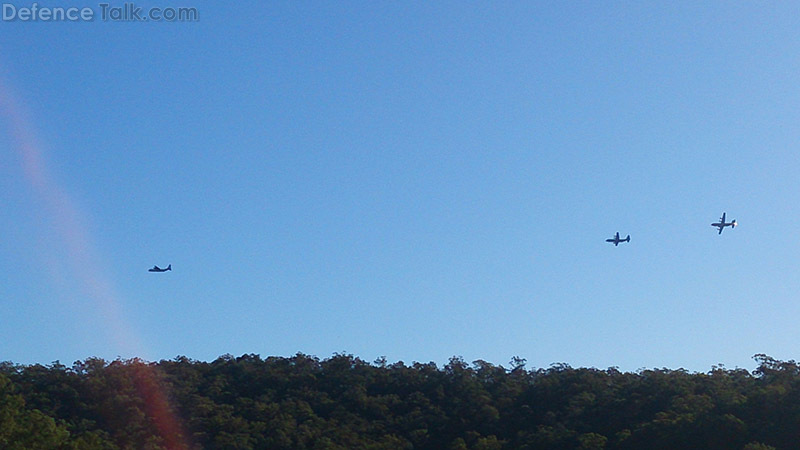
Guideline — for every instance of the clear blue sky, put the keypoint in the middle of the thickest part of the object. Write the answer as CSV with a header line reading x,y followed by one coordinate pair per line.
x,y
411,179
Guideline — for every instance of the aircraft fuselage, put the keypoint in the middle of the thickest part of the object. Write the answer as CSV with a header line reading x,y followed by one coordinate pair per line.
x,y
616,239
722,224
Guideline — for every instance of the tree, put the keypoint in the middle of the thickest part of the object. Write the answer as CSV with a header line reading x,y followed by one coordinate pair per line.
x,y
21,428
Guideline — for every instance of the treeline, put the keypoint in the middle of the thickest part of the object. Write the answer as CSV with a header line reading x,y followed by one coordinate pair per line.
x,y
343,402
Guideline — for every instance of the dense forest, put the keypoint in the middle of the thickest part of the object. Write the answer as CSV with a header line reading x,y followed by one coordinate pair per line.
x,y
343,402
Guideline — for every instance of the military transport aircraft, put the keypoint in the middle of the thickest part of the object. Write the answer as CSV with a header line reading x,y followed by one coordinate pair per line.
x,y
616,240
722,224
158,269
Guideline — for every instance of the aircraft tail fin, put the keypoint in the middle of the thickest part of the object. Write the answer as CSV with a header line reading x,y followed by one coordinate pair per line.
x,y
628,239
733,223
169,267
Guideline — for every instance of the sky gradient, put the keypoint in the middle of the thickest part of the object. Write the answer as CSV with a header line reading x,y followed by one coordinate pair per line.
x,y
415,180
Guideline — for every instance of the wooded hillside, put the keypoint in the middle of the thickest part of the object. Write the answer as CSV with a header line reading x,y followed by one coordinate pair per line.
x,y
343,402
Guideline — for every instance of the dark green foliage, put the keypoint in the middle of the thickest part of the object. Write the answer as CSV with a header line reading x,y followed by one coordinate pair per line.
x,y
343,402
24,428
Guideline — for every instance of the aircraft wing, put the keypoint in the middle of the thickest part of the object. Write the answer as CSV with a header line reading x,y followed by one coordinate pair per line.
x,y
722,219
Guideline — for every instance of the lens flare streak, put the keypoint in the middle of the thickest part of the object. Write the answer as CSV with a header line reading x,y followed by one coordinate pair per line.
x,y
83,261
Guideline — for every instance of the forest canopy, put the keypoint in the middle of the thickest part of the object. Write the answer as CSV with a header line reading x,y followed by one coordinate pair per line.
x,y
343,402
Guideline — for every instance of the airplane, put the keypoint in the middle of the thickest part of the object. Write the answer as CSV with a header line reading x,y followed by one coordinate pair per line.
x,y
158,269
616,239
722,224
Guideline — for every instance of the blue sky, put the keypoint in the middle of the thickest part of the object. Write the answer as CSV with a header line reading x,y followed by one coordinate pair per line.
x,y
414,180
